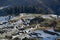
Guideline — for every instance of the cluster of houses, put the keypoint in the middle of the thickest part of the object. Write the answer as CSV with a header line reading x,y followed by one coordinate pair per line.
x,y
19,27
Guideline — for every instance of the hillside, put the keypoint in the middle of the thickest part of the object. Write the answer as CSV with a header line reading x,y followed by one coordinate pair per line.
x,y
49,6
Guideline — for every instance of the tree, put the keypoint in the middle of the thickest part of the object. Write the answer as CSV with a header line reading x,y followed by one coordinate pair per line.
x,y
16,38
36,20
25,38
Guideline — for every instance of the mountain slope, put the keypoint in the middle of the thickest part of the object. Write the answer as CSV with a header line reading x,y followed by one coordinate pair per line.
x,y
51,5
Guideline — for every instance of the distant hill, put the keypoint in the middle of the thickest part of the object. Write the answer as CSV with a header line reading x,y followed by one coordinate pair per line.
x,y
48,6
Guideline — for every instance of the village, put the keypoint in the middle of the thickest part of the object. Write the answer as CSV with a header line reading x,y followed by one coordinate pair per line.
x,y
30,27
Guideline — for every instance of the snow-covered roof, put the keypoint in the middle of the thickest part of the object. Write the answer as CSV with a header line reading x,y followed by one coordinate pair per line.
x,y
44,35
